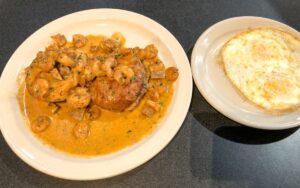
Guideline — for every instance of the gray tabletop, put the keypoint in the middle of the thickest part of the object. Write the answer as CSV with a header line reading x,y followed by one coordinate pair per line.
x,y
209,150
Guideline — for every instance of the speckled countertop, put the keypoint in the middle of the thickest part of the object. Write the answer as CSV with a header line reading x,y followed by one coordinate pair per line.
x,y
209,150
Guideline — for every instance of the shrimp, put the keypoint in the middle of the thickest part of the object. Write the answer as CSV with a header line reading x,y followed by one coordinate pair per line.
x,y
123,74
154,105
81,61
80,57
81,130
97,69
64,71
65,60
109,45
80,98
172,74
86,76
139,52
39,88
45,60
59,90
108,65
31,74
150,51
40,124
59,39
119,37
79,40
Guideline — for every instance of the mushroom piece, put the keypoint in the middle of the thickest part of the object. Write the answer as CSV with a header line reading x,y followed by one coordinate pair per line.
x,y
40,124
81,130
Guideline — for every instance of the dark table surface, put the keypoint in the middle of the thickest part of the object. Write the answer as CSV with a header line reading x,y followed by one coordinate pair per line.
x,y
209,150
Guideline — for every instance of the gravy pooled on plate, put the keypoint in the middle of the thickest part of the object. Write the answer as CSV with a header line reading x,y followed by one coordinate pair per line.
x,y
94,96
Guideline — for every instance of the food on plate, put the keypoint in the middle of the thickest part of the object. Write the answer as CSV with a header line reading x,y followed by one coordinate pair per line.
x,y
264,65
93,96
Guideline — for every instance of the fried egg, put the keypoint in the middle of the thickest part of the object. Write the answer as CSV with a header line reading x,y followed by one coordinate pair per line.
x,y
264,65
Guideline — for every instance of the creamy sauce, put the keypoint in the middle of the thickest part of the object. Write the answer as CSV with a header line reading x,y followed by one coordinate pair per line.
x,y
111,132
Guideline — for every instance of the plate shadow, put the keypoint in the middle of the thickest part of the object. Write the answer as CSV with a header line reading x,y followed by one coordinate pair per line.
x,y
224,127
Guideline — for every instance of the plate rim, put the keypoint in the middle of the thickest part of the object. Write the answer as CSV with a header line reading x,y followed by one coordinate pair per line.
x,y
205,94
155,150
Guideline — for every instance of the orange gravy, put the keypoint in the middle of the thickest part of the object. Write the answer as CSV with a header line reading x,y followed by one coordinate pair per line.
x,y
111,132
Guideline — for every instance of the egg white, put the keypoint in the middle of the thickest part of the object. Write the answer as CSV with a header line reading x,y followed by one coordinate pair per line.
x,y
264,64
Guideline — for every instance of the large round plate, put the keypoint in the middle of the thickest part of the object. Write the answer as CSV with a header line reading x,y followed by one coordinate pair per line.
x,y
139,31
216,87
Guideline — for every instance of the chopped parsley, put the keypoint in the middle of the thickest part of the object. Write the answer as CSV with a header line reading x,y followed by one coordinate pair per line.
x,y
129,131
101,59
118,56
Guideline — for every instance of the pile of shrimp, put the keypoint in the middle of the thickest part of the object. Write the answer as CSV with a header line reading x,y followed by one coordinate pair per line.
x,y
64,72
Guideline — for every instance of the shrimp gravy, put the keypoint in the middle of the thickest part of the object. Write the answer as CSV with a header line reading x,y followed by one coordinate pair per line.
x,y
93,96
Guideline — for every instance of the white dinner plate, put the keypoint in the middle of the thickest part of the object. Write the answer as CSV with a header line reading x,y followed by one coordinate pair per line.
x,y
216,87
138,31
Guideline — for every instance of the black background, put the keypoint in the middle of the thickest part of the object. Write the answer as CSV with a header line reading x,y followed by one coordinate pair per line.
x,y
209,150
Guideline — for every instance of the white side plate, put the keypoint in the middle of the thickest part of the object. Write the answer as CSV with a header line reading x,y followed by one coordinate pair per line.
x,y
216,87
